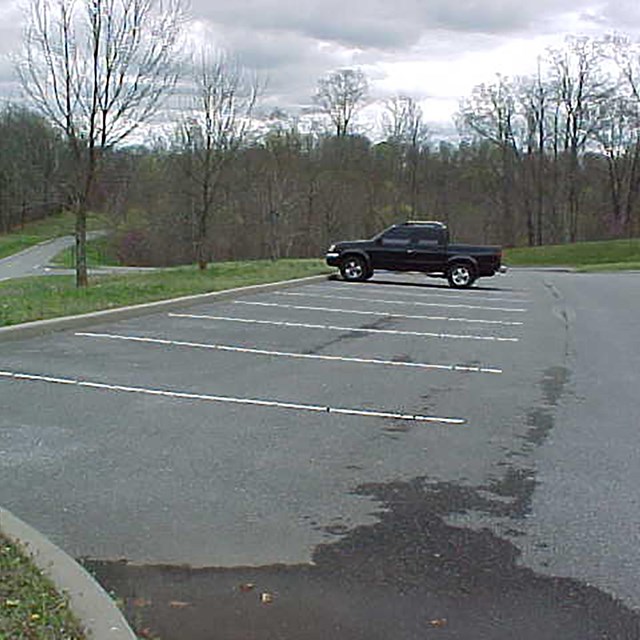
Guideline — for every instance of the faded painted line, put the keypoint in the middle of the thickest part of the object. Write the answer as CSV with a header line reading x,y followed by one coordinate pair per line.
x,y
285,354
273,404
380,313
417,304
326,327
401,290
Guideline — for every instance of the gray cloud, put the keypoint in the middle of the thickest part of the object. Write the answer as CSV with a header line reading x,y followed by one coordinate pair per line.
x,y
292,43
618,14
381,24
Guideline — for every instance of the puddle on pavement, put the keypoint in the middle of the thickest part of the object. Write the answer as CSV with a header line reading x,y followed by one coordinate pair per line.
x,y
393,579
415,573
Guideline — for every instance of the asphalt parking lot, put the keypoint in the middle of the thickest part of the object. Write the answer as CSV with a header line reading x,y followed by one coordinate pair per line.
x,y
241,433
290,399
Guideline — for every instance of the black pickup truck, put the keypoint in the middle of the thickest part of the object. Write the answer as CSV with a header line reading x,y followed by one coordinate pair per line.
x,y
416,246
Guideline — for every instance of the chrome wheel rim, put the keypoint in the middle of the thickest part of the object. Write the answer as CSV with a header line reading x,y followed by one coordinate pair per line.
x,y
460,276
353,269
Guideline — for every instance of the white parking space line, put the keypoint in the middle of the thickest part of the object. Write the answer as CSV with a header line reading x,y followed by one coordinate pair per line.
x,y
391,332
285,354
182,395
402,290
379,313
406,302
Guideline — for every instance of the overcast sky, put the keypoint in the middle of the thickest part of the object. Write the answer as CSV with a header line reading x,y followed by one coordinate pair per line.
x,y
433,50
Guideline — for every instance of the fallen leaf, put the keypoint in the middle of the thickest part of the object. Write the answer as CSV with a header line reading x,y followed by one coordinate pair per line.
x,y
438,623
139,603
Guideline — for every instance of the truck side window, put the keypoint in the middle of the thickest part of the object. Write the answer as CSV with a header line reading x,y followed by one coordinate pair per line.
x,y
429,237
397,237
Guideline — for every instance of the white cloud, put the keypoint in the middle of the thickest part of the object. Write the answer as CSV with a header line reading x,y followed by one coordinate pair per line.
x,y
10,37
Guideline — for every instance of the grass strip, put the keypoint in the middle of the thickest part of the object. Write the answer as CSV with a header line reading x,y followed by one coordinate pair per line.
x,y
27,299
612,255
100,253
30,606
609,267
33,233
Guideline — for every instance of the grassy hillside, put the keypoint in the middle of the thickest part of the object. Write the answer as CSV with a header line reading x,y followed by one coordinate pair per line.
x,y
612,255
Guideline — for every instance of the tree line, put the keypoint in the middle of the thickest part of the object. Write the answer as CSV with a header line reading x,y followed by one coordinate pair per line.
x,y
548,158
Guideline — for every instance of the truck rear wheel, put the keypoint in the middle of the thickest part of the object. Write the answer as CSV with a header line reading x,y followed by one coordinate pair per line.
x,y
460,275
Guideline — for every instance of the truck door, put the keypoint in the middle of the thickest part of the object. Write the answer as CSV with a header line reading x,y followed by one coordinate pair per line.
x,y
391,249
427,250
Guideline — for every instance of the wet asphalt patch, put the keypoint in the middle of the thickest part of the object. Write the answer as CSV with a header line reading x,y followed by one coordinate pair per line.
x,y
411,575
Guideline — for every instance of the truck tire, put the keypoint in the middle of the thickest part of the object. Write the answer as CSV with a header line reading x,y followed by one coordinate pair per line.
x,y
354,268
461,275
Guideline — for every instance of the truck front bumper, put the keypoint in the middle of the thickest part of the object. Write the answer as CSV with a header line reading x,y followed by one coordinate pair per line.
x,y
333,259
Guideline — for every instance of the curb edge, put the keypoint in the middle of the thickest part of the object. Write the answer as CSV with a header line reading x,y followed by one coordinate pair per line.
x,y
43,327
97,612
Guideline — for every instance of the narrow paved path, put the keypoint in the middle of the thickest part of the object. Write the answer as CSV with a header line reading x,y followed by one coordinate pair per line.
x,y
33,261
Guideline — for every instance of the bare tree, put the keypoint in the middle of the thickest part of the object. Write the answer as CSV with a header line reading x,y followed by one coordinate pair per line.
x,y
627,57
491,114
30,160
581,86
340,95
403,121
98,70
619,137
217,126
404,126
535,99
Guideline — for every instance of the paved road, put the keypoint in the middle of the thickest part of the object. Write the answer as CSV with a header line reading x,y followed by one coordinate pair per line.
x,y
392,459
33,261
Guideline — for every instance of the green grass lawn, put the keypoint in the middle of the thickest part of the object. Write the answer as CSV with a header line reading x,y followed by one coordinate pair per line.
x,y
612,255
30,606
99,253
27,299
36,232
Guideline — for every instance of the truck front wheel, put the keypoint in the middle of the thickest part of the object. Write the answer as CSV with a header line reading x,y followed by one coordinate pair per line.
x,y
460,275
355,269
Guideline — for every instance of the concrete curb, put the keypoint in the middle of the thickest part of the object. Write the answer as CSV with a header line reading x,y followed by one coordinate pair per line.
x,y
43,327
544,269
97,612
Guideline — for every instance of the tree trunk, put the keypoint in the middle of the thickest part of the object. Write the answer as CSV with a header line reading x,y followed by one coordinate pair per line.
x,y
82,279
